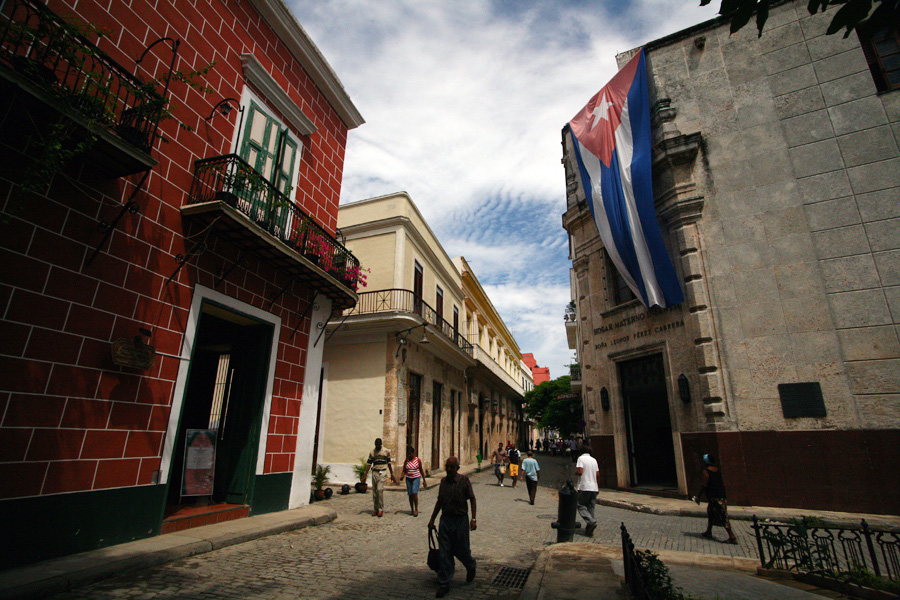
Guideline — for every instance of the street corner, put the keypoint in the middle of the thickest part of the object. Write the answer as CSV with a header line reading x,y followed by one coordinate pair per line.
x,y
574,570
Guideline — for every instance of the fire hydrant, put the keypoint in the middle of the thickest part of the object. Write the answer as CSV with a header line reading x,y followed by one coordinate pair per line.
x,y
566,526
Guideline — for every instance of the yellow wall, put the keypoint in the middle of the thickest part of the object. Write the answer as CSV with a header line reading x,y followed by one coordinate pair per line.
x,y
353,398
375,253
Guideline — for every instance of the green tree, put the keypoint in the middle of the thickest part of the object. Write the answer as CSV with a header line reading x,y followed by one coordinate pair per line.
x,y
852,14
549,411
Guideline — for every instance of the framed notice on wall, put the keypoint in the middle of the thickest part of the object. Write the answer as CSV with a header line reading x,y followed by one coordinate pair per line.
x,y
199,462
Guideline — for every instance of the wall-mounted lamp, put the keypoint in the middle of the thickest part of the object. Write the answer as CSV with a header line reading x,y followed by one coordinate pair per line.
x,y
604,399
403,334
224,108
684,388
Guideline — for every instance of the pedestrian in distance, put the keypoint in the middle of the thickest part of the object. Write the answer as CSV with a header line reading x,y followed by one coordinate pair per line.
x,y
538,445
531,472
412,472
513,457
717,507
379,462
498,459
453,535
588,486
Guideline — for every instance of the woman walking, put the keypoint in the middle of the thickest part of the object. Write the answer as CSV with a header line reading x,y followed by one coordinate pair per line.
x,y
717,509
412,471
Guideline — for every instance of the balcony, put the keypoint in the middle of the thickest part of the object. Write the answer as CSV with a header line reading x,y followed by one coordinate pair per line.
x,y
247,210
406,301
50,72
575,376
571,327
489,364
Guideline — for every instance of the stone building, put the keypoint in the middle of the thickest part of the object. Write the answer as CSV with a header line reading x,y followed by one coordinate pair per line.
x,y
777,186
420,360
156,299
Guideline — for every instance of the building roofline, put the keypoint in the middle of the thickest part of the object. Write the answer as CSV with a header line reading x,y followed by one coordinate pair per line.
x,y
690,31
288,29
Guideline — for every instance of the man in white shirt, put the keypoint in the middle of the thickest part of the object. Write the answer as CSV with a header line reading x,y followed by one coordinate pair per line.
x,y
588,485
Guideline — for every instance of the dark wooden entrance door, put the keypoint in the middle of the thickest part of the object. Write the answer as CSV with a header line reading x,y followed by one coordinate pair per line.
x,y
224,394
412,411
436,404
651,451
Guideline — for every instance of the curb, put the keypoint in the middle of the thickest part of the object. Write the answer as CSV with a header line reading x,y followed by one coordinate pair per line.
x,y
78,570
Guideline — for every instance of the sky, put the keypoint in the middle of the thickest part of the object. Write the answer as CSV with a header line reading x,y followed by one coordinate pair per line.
x,y
464,102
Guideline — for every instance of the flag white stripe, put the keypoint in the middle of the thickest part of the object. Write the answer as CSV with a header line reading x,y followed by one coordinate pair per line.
x,y
625,150
593,167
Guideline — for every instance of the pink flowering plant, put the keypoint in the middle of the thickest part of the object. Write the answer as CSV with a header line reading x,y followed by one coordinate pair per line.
x,y
319,246
357,276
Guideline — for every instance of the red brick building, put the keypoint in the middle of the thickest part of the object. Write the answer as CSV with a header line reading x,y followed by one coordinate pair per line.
x,y
164,281
540,374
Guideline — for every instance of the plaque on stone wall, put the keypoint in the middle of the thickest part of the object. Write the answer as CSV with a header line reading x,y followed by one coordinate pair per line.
x,y
801,400
133,353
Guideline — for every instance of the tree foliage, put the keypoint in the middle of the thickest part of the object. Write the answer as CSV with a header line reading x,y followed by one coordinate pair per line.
x,y
852,14
564,414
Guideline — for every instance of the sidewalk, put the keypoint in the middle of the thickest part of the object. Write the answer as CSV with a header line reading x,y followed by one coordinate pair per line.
x,y
69,572
576,571
685,508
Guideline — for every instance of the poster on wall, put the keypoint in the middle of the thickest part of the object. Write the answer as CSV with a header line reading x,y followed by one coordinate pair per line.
x,y
199,462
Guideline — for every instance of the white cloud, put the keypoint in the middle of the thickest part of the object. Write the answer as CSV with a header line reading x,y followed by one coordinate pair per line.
x,y
465,103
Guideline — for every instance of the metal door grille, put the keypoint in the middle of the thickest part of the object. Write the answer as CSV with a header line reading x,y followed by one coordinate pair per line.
x,y
511,577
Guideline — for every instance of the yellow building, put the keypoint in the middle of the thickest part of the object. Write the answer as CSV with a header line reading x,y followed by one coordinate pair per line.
x,y
423,359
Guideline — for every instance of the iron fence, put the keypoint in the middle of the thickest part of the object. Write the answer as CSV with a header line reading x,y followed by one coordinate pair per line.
x,y
635,576
52,54
401,300
829,551
232,180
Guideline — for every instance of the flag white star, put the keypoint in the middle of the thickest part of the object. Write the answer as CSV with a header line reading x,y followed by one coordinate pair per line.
x,y
600,111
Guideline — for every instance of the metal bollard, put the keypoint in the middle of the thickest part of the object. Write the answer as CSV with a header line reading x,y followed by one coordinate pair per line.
x,y
566,526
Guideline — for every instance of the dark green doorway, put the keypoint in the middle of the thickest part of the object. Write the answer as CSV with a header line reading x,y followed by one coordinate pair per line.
x,y
224,395
651,451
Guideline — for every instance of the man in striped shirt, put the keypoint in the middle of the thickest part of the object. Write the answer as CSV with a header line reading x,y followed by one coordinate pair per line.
x,y
379,461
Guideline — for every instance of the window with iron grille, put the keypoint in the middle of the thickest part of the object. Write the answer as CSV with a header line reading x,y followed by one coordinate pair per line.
x,y
620,293
881,46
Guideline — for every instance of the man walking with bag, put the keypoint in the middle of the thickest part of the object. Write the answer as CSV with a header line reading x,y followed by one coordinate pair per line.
x,y
453,535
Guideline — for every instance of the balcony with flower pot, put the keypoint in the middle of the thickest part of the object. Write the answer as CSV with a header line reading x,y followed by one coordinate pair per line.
x,y
246,209
64,89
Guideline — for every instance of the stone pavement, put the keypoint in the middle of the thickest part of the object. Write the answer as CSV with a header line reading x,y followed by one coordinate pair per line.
x,y
357,555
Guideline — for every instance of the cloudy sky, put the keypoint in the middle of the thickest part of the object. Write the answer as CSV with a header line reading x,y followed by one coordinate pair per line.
x,y
464,102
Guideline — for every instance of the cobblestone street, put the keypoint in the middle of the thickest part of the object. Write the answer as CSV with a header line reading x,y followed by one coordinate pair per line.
x,y
360,556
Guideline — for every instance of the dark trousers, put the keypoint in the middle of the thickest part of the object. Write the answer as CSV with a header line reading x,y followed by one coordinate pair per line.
x,y
453,542
532,488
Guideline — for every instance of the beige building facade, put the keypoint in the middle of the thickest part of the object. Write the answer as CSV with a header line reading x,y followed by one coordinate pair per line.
x,y
403,365
777,187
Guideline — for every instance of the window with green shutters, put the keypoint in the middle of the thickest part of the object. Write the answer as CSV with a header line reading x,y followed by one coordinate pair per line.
x,y
271,150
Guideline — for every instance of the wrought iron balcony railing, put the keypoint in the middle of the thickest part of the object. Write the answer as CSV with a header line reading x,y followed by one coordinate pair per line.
x,y
51,54
398,300
232,180
575,372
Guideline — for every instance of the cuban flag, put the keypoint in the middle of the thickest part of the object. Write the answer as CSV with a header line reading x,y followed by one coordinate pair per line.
x,y
611,138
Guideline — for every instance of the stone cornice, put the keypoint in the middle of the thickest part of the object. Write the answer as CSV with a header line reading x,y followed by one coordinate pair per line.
x,y
275,95
288,29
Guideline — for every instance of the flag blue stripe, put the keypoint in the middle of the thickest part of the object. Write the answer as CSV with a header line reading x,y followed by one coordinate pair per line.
x,y
642,180
614,200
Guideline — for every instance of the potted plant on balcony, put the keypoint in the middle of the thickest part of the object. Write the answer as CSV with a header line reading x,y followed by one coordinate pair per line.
x,y
360,471
319,479
318,246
